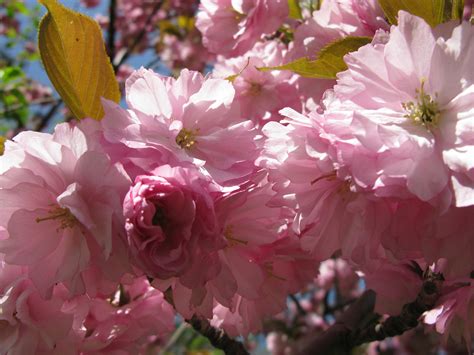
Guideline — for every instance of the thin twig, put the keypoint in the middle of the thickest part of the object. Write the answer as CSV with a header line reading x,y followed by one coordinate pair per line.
x,y
17,107
359,324
45,119
408,318
139,37
111,30
297,303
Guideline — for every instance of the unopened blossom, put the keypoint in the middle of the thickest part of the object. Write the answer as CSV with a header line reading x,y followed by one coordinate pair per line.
x,y
232,27
61,219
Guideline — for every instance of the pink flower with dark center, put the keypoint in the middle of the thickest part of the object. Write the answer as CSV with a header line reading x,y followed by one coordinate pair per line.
x,y
171,224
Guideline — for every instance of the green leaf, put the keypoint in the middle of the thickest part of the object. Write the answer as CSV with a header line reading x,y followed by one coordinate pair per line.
x,y
330,59
16,106
295,9
432,11
457,9
9,74
74,56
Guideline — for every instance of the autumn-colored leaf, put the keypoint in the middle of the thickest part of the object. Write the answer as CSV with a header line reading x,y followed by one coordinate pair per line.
x,y
74,56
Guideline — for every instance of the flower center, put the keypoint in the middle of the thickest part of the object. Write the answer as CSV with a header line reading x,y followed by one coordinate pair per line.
x,y
254,89
64,215
229,235
186,138
268,266
159,218
425,110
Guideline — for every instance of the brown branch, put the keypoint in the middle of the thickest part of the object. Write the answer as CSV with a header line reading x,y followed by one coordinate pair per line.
x,y
335,340
45,119
217,337
359,324
408,318
111,31
139,37
298,305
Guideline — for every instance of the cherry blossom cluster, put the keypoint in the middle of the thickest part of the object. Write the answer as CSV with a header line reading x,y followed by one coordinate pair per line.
x,y
220,195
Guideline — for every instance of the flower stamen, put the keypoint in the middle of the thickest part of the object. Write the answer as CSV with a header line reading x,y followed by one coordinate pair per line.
x,y
268,266
64,215
425,111
186,138
229,235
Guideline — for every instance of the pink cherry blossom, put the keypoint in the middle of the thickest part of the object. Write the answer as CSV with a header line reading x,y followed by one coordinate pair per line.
x,y
260,94
135,317
190,119
331,213
54,193
231,27
171,224
335,20
409,117
29,324
452,316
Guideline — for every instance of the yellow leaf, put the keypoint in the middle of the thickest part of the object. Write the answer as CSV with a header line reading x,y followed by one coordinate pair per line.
x,y
2,145
295,9
432,11
74,56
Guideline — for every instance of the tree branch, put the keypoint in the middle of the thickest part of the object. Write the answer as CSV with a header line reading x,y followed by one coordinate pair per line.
x,y
359,324
408,318
45,119
111,30
297,303
139,37
217,337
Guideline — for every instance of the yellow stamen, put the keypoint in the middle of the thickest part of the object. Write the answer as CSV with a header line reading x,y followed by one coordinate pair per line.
x,y
186,138
254,89
269,269
66,218
425,110
229,235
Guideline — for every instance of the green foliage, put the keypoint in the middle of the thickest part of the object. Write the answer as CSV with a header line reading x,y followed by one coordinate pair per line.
x,y
329,62
13,104
189,342
433,12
